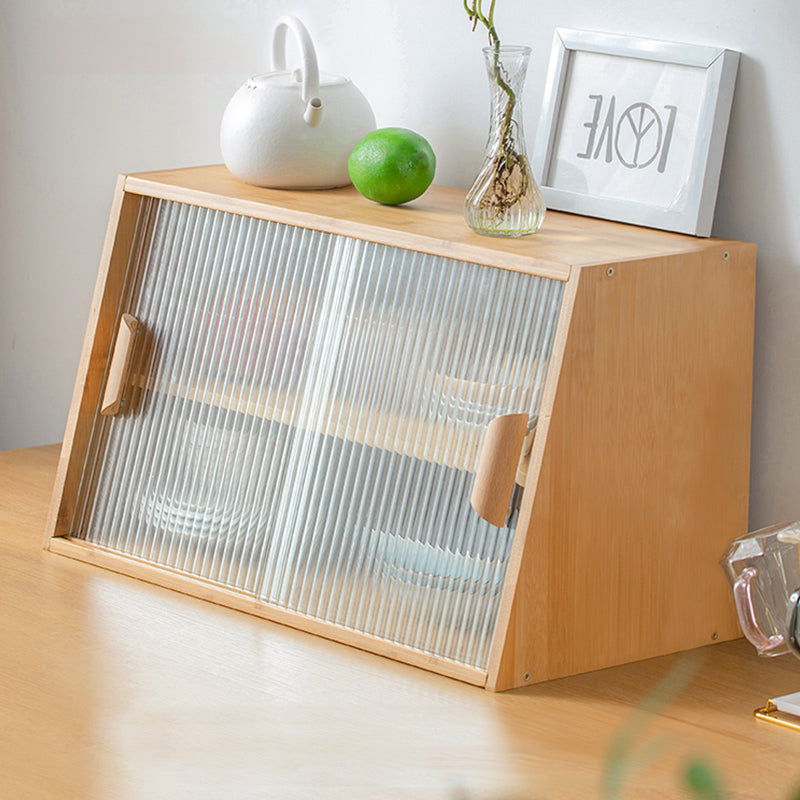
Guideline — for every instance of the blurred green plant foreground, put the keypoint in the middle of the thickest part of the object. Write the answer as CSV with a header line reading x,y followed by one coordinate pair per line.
x,y
631,750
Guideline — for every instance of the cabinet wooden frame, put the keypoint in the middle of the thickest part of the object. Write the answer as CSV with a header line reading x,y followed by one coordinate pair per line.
x,y
638,475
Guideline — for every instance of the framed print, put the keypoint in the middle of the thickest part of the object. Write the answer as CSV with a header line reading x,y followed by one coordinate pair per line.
x,y
634,129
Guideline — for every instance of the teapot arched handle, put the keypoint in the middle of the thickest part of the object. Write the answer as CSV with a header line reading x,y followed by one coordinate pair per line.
x,y
310,68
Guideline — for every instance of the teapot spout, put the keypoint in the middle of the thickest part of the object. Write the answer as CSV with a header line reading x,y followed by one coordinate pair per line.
x,y
313,112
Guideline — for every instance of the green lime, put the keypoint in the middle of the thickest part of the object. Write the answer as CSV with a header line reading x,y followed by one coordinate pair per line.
x,y
392,165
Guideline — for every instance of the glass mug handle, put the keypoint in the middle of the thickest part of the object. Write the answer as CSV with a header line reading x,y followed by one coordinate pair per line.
x,y
743,597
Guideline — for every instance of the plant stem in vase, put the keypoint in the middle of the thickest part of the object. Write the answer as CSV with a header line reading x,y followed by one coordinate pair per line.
x,y
504,199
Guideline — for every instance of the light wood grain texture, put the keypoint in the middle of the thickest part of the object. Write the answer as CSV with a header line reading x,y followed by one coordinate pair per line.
x,y
111,687
497,467
645,472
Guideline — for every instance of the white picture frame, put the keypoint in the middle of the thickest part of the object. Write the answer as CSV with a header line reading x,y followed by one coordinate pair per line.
x,y
634,129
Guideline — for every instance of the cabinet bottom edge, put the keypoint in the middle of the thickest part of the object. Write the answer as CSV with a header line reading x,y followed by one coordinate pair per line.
x,y
230,598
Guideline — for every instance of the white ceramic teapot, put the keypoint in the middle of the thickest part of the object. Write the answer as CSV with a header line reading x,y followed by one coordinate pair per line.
x,y
294,129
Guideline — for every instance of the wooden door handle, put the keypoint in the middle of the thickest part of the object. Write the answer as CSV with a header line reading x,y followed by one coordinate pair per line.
x,y
120,365
497,467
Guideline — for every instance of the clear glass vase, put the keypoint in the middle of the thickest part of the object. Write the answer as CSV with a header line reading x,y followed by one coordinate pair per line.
x,y
504,199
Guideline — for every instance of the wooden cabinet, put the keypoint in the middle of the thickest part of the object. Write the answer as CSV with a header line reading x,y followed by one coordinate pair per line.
x,y
293,403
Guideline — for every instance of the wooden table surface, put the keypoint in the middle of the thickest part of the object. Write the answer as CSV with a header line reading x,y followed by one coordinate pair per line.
x,y
113,688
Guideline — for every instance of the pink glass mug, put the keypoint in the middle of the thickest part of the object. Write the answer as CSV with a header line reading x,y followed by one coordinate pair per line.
x,y
763,569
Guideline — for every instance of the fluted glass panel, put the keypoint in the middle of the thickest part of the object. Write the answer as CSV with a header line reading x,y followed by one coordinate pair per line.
x,y
303,420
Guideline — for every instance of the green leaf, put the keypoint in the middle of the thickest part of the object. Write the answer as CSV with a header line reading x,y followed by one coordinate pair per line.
x,y
702,782
627,747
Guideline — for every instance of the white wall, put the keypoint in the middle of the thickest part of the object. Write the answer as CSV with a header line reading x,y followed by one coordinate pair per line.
x,y
91,88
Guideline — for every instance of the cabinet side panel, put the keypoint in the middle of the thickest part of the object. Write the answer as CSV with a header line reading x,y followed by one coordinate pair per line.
x,y
645,474
97,342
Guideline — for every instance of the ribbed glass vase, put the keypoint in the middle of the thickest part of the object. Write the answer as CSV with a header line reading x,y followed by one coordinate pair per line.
x,y
504,199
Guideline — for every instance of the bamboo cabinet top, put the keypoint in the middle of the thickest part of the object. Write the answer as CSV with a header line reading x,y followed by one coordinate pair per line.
x,y
433,223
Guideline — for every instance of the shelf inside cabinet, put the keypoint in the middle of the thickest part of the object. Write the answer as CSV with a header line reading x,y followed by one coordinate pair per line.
x,y
437,432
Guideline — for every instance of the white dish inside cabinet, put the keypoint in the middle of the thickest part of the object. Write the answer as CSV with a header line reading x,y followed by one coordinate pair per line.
x,y
501,460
